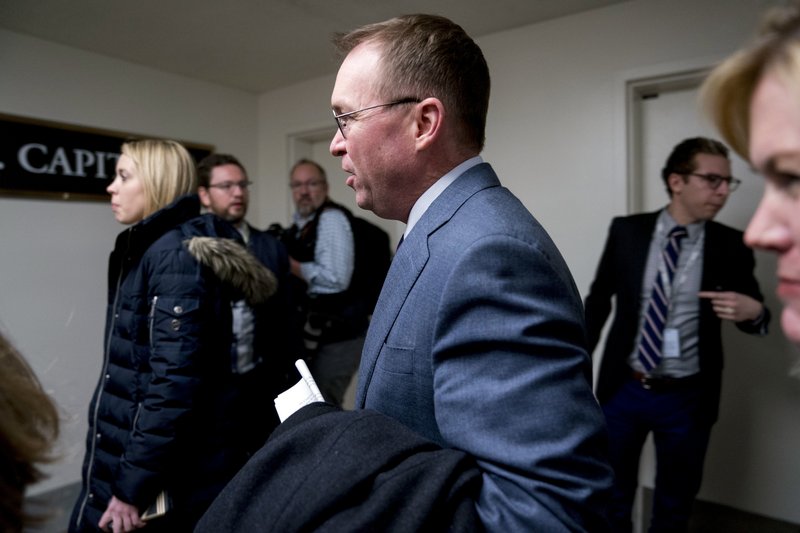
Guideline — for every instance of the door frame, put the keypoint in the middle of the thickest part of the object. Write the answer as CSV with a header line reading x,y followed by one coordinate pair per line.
x,y
634,86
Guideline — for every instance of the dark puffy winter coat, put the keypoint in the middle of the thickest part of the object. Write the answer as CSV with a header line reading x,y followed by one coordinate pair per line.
x,y
167,411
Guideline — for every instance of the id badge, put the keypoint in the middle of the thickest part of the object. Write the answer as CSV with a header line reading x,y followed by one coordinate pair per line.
x,y
672,343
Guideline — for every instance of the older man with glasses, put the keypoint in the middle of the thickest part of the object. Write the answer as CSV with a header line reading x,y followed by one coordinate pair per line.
x,y
675,275
322,250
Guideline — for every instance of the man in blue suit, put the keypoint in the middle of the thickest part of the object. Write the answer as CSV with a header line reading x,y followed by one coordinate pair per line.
x,y
477,340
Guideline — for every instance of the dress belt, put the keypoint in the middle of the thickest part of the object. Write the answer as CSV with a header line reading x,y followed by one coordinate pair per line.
x,y
664,383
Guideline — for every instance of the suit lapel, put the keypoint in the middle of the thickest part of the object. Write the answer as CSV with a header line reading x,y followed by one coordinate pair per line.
x,y
710,258
408,264
403,272
642,238
639,247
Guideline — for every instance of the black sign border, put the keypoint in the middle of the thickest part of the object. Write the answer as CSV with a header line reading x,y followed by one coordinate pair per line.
x,y
76,196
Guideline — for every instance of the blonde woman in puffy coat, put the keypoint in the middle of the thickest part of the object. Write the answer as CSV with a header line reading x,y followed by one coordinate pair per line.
x,y
165,419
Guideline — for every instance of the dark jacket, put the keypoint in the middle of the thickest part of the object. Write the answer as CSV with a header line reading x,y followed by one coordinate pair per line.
x,y
727,265
160,416
325,469
338,316
277,337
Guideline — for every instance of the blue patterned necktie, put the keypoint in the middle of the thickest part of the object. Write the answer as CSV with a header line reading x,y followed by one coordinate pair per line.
x,y
652,338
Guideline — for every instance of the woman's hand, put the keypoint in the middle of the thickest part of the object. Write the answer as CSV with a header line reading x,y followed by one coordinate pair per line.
x,y
120,517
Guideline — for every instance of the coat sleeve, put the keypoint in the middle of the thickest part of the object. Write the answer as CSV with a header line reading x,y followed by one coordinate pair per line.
x,y
512,388
749,285
177,326
597,306
334,254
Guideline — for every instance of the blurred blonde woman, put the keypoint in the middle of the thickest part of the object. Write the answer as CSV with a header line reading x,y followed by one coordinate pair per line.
x,y
754,99
28,429
160,418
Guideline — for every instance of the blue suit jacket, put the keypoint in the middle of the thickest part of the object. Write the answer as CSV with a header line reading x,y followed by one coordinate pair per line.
x,y
477,343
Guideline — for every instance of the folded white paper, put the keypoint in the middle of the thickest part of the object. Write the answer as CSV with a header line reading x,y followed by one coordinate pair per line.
x,y
301,394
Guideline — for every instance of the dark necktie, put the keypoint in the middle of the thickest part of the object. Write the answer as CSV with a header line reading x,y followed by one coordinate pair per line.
x,y
652,338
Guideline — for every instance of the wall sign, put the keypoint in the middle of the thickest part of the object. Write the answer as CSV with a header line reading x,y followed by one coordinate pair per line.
x,y
46,159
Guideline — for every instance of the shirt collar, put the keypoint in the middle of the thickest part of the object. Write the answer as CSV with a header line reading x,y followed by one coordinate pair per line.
x,y
424,202
244,230
665,223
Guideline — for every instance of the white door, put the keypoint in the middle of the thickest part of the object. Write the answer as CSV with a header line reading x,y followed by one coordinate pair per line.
x,y
667,119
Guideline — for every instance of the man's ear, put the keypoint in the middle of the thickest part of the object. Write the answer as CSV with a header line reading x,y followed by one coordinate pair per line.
x,y
429,120
676,182
202,192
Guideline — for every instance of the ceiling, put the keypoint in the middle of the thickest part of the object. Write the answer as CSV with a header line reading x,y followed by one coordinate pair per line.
x,y
253,45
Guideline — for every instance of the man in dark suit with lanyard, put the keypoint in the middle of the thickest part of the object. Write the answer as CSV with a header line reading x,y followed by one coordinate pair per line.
x,y
676,275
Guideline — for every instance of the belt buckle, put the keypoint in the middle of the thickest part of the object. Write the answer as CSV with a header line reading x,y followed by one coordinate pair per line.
x,y
644,380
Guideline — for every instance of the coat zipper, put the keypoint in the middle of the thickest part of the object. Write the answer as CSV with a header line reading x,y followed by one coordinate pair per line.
x,y
136,416
152,319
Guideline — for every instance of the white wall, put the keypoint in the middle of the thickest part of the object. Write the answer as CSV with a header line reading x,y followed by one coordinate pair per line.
x,y
284,113
555,136
554,117
54,254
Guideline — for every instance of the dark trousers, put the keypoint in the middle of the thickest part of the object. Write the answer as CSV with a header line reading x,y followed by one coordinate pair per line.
x,y
681,439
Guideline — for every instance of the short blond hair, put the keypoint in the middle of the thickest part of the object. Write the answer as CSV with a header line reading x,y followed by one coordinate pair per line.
x,y
166,169
727,92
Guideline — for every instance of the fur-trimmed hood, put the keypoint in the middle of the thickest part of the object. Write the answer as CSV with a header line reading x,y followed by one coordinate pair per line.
x,y
235,265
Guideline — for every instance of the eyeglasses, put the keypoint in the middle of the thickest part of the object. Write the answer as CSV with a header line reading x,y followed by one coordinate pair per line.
x,y
342,119
313,184
227,186
715,180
